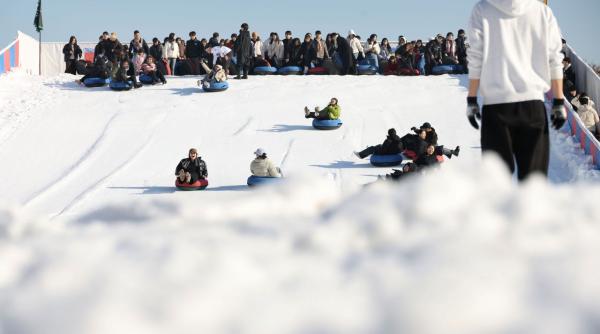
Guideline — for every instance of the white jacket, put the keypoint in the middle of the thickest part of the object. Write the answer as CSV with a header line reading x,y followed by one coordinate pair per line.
x,y
171,50
274,49
263,167
515,50
356,46
258,46
589,117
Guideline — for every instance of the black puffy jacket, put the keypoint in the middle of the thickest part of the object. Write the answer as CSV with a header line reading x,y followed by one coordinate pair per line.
x,y
196,166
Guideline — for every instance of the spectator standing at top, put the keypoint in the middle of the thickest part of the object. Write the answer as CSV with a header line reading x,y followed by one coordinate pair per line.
x,y
512,77
72,53
244,51
171,51
136,43
193,52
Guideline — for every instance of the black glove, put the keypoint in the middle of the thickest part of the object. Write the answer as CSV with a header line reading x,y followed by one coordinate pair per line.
x,y
414,129
559,115
473,113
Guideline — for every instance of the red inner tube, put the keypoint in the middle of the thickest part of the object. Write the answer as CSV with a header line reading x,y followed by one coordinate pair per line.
x,y
197,184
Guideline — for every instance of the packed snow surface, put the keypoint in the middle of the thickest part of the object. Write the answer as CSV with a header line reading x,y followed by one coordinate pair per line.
x,y
95,239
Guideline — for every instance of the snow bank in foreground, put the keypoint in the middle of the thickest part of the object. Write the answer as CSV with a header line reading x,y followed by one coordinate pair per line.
x,y
451,252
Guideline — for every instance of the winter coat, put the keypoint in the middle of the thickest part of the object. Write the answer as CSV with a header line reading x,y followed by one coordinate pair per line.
x,y
414,143
295,56
274,50
148,68
120,75
425,160
156,51
110,47
391,145
75,51
432,137
569,74
213,41
138,61
243,48
258,48
356,45
133,49
589,116
193,48
384,53
219,52
375,49
263,167
461,47
332,111
171,50
320,49
345,52
308,53
196,166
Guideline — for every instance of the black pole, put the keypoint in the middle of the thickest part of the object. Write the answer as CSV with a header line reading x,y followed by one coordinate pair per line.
x,y
40,55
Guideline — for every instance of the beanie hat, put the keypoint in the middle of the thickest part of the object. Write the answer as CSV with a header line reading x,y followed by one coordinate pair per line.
x,y
392,132
426,125
584,100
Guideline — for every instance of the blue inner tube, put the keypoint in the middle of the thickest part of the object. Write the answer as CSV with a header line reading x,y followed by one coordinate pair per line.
x,y
386,160
146,79
264,70
447,69
217,86
366,69
290,70
121,85
326,124
96,82
261,180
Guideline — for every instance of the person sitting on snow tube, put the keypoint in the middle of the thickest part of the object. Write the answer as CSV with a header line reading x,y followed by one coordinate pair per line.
x,y
262,166
432,138
217,74
331,112
149,69
427,159
122,77
399,174
391,145
191,169
98,70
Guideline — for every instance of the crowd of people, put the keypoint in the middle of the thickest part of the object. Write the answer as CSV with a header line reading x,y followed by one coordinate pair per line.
x,y
243,51
582,104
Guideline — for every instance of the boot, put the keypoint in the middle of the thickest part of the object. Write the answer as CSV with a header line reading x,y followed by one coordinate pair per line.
x,y
357,154
245,76
306,112
456,151
238,77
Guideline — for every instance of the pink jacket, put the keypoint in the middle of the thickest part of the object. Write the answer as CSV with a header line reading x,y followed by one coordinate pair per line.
x,y
137,63
148,68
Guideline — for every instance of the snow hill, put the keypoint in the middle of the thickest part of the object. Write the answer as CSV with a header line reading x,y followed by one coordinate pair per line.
x,y
95,239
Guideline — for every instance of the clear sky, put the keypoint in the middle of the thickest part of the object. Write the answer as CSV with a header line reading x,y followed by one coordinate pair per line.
x,y
86,19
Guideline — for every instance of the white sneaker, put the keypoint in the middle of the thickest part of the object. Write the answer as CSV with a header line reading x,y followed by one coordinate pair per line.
x,y
357,154
306,111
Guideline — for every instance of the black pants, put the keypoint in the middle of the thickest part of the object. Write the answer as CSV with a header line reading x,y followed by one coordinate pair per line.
x,y
71,66
243,68
157,76
517,132
322,115
369,150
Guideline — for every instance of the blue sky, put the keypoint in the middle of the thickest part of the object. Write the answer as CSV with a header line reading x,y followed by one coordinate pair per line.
x,y
86,19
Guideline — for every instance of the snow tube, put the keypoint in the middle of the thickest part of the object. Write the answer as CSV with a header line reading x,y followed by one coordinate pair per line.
x,y
408,154
119,86
216,86
146,79
407,71
262,180
265,70
290,70
366,70
386,160
96,82
198,185
318,70
326,124
447,69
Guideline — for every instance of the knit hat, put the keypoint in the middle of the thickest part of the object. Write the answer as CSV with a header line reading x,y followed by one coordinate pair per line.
x,y
392,132
259,152
584,100
426,125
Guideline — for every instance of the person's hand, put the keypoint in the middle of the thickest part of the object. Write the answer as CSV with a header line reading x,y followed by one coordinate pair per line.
x,y
473,113
559,114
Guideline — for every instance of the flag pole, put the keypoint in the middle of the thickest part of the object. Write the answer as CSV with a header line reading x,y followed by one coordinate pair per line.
x,y
40,55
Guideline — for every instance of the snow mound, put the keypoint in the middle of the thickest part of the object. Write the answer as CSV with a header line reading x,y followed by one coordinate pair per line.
x,y
454,251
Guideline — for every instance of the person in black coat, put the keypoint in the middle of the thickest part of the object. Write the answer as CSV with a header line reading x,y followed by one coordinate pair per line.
x,y
72,53
399,174
156,51
428,158
123,75
192,168
137,43
391,145
431,137
345,52
414,142
214,40
193,52
97,70
461,48
244,51
295,53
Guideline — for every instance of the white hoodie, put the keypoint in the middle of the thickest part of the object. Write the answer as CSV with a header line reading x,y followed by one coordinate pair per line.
x,y
515,50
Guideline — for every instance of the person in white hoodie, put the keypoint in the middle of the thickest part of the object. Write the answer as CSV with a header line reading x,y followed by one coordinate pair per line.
x,y
588,115
262,166
513,60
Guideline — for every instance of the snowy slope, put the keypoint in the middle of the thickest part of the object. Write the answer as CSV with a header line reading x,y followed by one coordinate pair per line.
x,y
94,238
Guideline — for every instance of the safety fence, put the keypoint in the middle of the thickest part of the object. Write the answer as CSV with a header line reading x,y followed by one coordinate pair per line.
x,y
587,80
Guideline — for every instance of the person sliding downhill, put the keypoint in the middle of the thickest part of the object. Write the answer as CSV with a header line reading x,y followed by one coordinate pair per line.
x,y
191,169
332,111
